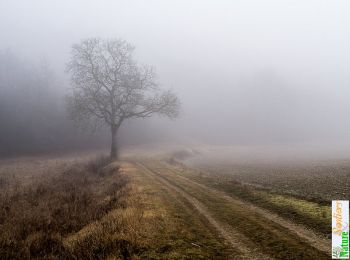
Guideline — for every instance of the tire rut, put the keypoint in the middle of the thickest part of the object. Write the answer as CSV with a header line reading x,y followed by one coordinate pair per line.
x,y
232,236
314,240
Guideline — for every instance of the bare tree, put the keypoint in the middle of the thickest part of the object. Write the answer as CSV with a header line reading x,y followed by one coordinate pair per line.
x,y
110,87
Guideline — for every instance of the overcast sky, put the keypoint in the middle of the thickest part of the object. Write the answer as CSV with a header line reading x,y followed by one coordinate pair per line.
x,y
247,72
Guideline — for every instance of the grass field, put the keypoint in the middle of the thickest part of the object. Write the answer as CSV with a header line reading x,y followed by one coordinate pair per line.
x,y
143,208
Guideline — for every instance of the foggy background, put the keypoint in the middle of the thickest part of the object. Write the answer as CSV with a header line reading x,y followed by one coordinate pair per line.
x,y
248,73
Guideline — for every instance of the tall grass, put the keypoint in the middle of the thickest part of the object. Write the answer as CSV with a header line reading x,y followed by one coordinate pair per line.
x,y
36,220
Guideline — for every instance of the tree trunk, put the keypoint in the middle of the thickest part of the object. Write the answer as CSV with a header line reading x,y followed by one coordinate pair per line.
x,y
114,148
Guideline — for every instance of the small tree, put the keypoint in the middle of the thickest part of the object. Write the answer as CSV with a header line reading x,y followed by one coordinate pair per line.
x,y
110,87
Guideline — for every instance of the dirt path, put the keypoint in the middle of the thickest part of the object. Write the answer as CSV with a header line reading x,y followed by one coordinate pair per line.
x,y
273,235
236,239
311,237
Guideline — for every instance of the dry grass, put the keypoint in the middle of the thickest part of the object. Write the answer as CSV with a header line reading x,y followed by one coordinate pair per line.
x,y
98,209
82,212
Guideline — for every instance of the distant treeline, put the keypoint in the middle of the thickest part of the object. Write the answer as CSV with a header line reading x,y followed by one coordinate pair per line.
x,y
33,117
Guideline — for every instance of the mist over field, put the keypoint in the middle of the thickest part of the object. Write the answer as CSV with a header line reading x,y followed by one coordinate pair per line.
x,y
248,73
174,129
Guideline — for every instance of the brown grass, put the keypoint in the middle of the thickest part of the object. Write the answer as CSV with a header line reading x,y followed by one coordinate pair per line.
x,y
37,219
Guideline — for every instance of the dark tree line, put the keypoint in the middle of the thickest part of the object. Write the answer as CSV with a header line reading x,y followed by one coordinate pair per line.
x,y
33,117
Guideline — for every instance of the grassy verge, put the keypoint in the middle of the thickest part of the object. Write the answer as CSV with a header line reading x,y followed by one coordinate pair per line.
x,y
35,220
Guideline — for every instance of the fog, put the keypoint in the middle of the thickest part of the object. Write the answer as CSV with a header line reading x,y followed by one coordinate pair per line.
x,y
248,73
